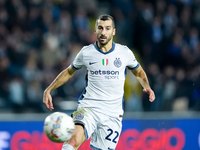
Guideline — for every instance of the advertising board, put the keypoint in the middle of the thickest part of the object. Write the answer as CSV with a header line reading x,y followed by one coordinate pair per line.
x,y
173,134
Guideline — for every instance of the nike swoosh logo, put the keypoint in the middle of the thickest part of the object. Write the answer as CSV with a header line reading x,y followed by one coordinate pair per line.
x,y
91,63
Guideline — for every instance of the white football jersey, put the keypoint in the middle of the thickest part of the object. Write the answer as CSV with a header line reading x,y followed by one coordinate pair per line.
x,y
105,77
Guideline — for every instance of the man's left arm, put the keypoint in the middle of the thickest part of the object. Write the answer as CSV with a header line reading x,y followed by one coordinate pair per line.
x,y
143,80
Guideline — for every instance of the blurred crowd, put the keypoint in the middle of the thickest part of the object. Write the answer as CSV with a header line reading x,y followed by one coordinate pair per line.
x,y
40,38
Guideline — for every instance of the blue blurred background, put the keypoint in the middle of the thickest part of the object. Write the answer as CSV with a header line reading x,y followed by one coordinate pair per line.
x,y
40,38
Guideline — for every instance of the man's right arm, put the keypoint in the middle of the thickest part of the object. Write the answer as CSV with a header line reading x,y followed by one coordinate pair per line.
x,y
62,78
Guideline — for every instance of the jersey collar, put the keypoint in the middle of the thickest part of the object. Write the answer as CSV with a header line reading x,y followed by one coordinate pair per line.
x,y
112,49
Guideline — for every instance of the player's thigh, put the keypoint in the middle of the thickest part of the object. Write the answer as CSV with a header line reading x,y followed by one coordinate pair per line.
x,y
78,136
107,135
85,117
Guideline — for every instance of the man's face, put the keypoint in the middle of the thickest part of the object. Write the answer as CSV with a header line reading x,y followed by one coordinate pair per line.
x,y
104,31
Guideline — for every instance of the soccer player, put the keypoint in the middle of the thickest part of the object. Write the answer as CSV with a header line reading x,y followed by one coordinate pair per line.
x,y
99,113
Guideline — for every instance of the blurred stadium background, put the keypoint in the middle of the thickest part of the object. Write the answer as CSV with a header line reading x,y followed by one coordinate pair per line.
x,y
40,38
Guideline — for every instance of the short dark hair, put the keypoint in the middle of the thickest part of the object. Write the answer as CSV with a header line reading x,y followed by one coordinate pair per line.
x,y
106,17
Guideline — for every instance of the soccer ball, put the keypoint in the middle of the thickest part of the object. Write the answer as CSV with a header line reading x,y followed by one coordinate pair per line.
x,y
58,127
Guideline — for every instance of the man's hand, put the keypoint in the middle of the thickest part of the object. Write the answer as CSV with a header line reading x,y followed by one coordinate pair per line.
x,y
151,94
47,100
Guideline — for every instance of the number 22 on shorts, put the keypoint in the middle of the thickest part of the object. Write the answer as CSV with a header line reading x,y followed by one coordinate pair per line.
x,y
110,133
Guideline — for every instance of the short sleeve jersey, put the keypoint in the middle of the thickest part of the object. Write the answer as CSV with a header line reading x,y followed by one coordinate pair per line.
x,y
105,77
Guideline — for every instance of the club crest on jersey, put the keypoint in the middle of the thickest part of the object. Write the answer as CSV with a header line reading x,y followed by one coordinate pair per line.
x,y
104,62
117,62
